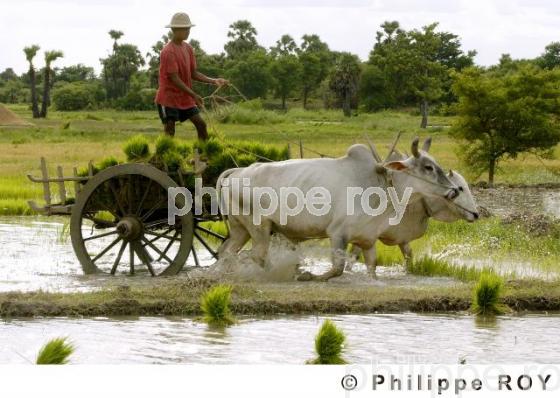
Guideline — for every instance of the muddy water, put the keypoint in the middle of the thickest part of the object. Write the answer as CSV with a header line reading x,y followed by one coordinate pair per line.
x,y
383,338
36,253
503,201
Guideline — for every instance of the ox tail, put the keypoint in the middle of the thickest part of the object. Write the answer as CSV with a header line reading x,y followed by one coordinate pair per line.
x,y
221,202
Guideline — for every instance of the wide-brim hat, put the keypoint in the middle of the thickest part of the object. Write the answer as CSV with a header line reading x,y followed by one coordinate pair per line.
x,y
180,20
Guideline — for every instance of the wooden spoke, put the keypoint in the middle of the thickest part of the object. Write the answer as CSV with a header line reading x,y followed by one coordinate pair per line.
x,y
196,262
143,256
214,254
131,259
106,250
118,259
153,209
157,250
100,235
139,208
210,232
116,196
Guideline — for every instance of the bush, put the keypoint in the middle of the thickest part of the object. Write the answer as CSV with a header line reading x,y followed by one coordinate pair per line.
x,y
74,97
137,100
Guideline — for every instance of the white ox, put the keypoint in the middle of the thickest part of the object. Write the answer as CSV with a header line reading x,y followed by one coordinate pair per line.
x,y
414,222
358,169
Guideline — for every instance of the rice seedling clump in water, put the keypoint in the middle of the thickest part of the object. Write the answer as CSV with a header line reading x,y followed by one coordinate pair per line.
x,y
486,295
329,344
55,352
215,306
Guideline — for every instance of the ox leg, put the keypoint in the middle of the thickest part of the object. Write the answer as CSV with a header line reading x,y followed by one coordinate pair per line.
x,y
261,241
238,236
370,257
338,246
406,252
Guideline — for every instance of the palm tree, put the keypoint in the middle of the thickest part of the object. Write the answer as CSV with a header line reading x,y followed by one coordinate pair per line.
x,y
115,35
30,53
50,56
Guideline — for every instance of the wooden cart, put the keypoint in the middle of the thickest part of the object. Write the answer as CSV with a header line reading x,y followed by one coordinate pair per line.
x,y
119,219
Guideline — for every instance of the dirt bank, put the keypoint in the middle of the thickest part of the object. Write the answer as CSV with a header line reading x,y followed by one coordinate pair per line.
x,y
172,298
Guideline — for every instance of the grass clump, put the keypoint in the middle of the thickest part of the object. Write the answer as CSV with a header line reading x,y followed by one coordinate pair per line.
x,y
427,266
215,306
329,344
137,148
55,352
486,295
107,162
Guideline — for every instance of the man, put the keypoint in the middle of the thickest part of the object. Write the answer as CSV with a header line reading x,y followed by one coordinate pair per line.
x,y
175,98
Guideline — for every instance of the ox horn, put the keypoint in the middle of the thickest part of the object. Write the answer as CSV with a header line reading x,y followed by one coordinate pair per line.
x,y
427,144
372,149
450,173
393,146
414,148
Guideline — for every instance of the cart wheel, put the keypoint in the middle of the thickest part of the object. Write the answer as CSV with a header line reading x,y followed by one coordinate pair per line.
x,y
119,221
208,236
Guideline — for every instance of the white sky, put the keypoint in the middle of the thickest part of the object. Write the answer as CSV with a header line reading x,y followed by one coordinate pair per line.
x,y
79,28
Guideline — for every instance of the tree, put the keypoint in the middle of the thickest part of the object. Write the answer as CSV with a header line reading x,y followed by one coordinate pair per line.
x,y
551,56
412,68
30,53
8,75
243,39
115,35
503,116
344,79
50,57
74,73
286,73
285,46
316,61
251,74
120,66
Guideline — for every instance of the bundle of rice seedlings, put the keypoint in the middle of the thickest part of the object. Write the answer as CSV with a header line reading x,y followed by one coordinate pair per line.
x,y
215,306
486,295
173,160
184,149
107,162
329,344
165,144
137,148
55,352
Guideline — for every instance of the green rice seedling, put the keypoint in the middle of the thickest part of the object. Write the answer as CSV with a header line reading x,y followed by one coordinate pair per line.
x,y
486,295
173,160
55,352
329,344
184,149
427,266
215,306
165,144
137,148
107,162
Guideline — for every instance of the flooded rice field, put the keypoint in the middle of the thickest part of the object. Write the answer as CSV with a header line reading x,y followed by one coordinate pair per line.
x,y
36,253
289,340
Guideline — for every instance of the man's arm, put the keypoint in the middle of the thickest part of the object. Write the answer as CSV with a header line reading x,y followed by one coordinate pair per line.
x,y
179,83
205,79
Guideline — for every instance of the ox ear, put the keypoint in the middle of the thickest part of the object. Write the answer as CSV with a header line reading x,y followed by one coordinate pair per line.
x,y
427,144
414,148
396,165
450,173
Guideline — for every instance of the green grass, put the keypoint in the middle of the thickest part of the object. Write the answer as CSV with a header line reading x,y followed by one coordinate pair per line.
x,y
329,345
55,352
486,295
214,304
137,148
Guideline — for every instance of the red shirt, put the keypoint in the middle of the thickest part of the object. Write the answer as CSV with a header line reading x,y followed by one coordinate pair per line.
x,y
176,59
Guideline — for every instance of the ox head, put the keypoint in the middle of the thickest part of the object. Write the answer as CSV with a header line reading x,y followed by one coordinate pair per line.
x,y
422,173
463,207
